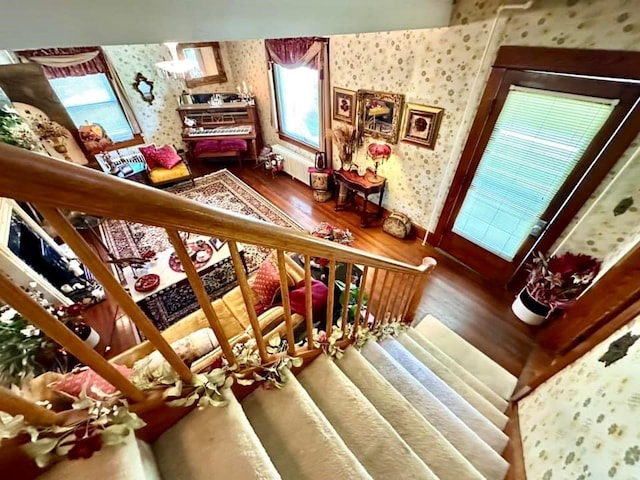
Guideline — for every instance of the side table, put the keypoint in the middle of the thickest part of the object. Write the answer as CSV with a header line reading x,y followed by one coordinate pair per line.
x,y
367,184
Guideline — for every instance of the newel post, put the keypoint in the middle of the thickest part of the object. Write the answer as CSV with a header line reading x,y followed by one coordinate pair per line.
x,y
419,282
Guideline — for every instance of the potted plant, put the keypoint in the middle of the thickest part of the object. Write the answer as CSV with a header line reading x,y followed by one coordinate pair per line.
x,y
554,283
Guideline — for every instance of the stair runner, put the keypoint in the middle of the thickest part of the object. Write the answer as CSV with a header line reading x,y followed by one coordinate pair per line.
x,y
424,405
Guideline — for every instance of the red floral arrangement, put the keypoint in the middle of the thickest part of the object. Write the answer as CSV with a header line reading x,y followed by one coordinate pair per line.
x,y
329,232
558,280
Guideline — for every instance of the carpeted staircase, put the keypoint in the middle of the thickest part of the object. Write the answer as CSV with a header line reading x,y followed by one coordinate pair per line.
x,y
424,405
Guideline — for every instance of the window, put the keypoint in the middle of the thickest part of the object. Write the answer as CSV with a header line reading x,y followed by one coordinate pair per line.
x,y
91,98
297,99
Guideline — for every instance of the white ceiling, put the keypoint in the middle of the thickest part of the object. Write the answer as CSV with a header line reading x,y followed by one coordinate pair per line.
x,y
36,23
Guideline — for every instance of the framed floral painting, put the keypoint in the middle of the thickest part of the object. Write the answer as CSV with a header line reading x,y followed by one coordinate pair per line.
x,y
344,105
420,125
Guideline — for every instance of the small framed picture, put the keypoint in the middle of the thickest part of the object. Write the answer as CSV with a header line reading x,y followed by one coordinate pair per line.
x,y
344,105
217,243
420,125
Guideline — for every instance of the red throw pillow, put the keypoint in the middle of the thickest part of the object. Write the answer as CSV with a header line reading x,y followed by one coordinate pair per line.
x,y
167,157
266,283
73,383
148,152
319,294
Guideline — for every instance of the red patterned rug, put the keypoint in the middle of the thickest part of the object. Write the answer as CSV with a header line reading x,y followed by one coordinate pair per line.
x,y
220,189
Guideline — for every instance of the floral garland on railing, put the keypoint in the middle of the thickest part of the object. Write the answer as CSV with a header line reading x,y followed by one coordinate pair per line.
x,y
106,421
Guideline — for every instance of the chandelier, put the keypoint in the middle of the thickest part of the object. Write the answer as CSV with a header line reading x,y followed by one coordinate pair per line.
x,y
175,67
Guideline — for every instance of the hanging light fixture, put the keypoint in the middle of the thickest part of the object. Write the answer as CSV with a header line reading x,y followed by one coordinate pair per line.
x,y
175,67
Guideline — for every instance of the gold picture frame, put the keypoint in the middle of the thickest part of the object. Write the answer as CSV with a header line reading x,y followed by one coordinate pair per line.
x,y
379,114
209,63
420,125
344,105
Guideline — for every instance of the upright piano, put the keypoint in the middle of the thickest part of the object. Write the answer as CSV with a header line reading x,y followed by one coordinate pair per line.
x,y
215,127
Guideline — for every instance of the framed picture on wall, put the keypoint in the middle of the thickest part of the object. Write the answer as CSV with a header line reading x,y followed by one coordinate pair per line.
x,y
344,105
420,125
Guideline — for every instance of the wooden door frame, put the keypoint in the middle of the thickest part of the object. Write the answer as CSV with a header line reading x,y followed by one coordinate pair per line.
x,y
562,62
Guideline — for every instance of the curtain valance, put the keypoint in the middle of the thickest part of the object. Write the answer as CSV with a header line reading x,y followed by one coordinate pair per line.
x,y
296,52
68,62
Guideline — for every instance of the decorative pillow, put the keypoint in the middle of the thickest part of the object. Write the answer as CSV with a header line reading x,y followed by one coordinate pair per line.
x,y
167,157
148,152
266,283
73,383
319,294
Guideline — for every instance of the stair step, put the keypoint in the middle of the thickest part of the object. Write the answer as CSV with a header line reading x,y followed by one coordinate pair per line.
x,y
299,439
423,438
368,435
132,460
482,456
486,430
213,439
468,356
476,400
458,370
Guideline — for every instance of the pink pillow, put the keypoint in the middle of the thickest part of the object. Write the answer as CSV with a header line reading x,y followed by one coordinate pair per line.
x,y
73,383
167,157
266,283
319,294
148,154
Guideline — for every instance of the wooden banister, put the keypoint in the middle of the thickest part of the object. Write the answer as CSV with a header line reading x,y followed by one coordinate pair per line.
x,y
111,285
308,301
243,283
331,283
17,298
371,294
286,304
201,294
379,315
39,179
33,413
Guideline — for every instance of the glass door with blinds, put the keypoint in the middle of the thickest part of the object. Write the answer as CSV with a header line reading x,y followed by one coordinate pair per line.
x,y
533,147
537,141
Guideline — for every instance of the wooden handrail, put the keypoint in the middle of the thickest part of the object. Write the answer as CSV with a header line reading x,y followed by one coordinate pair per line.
x,y
39,179
17,298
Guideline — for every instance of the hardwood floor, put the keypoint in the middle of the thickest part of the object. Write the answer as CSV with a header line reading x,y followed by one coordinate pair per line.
x,y
477,311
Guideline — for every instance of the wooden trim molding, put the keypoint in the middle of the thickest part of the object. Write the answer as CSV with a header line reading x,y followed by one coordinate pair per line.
x,y
573,61
514,453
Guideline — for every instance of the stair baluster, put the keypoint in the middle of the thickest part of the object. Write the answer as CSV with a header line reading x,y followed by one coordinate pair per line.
x,y
17,298
379,315
15,404
397,297
111,285
286,304
371,295
331,296
386,311
345,300
363,287
427,266
308,301
201,294
238,266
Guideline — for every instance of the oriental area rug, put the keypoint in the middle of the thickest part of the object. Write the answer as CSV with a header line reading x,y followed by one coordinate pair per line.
x,y
222,190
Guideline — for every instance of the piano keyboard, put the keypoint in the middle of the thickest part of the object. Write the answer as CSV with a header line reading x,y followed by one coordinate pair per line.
x,y
218,131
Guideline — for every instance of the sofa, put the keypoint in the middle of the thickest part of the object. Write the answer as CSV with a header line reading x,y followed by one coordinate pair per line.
x,y
192,337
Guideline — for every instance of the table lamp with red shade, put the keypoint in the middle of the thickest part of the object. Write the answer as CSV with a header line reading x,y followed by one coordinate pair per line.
x,y
379,152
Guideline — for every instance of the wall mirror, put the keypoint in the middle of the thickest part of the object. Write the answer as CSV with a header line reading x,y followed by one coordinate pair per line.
x,y
144,88
379,114
208,69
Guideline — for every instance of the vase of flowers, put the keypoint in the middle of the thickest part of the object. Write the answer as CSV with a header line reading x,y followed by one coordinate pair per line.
x,y
554,283
346,140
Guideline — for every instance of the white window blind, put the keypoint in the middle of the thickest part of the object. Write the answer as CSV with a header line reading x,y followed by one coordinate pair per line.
x,y
91,98
537,141
297,95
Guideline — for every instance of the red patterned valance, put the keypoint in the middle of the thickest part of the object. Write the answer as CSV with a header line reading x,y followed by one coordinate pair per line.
x,y
296,52
68,62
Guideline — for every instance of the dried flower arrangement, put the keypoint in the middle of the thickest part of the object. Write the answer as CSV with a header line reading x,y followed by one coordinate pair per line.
x,y
48,129
346,140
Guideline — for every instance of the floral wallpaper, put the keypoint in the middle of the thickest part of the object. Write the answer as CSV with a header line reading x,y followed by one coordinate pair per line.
x,y
160,123
582,423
